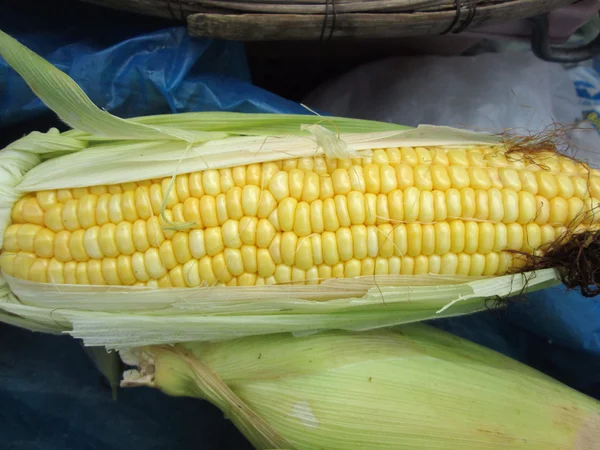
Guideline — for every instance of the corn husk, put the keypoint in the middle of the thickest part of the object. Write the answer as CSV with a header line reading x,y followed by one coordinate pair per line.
x,y
104,149
411,387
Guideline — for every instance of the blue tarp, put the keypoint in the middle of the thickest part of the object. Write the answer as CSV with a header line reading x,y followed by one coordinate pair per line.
x,y
132,70
51,396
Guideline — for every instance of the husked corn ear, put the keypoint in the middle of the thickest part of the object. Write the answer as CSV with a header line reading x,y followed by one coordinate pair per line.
x,y
402,211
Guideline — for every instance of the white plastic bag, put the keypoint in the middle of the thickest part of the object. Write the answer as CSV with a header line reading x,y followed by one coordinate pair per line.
x,y
487,92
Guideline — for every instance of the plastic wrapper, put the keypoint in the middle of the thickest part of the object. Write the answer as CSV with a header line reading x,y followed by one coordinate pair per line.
x,y
136,70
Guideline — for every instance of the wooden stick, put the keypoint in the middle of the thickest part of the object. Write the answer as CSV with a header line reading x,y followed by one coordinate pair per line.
x,y
282,27
318,8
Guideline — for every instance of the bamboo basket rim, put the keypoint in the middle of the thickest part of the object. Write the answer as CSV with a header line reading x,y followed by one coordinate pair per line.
x,y
298,20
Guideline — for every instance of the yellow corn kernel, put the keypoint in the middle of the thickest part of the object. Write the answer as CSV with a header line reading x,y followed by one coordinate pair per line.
x,y
289,242
107,239
125,270
102,216
467,202
426,208
46,199
459,177
482,211
440,209
422,175
22,264
61,246
479,178
275,249
510,202
440,177
77,246
341,209
528,181
221,205
250,258
250,200
279,186
94,272
449,263
411,204
33,212
415,239
514,236
527,207
442,238
547,184
38,271
453,203
266,265
304,257
247,229
404,175
372,178
477,266
428,245
208,211
286,213
370,209
25,237
191,212
471,237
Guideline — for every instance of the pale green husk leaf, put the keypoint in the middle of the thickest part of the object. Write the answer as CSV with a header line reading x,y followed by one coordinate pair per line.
x,y
411,387
118,317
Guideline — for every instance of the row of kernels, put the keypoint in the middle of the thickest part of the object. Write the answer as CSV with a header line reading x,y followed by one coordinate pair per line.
x,y
413,205
95,242
414,156
309,248
359,242
209,271
474,156
113,271
215,181
209,211
204,212
219,181
377,178
214,210
49,198
544,183
547,161
221,269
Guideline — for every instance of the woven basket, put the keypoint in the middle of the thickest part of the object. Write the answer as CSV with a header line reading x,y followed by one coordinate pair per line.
x,y
304,20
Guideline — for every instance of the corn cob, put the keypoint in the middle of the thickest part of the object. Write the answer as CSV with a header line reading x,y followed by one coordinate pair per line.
x,y
474,210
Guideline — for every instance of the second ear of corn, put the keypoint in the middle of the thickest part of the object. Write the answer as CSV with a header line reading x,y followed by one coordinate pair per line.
x,y
411,387
411,210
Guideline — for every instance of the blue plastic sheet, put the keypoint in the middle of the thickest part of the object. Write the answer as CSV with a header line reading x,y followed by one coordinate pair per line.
x,y
154,72
53,398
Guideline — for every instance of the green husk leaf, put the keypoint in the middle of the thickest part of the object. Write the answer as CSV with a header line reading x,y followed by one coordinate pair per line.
x,y
411,387
255,124
109,364
118,317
